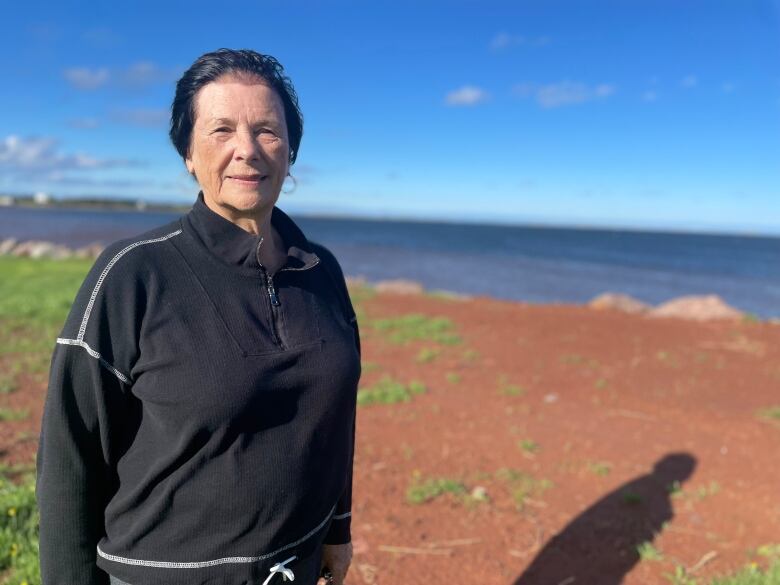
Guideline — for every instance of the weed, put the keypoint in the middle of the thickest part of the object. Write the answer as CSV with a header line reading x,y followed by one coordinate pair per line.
x,y
7,383
601,383
522,485
769,551
427,355
453,377
426,489
647,552
529,446
19,532
600,468
9,414
752,575
470,355
389,391
770,413
674,489
418,327
680,577
708,490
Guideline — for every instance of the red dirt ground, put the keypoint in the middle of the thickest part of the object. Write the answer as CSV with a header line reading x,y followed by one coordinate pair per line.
x,y
613,409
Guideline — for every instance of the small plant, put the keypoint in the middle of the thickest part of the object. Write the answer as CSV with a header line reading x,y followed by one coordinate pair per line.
x,y
7,383
680,576
647,552
769,551
674,489
600,468
453,377
9,414
708,490
424,490
529,446
389,391
427,355
18,532
367,367
770,413
601,383
418,327
522,485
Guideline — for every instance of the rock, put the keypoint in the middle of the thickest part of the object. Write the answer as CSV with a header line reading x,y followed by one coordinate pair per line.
x,y
91,251
697,308
399,287
6,246
480,494
618,302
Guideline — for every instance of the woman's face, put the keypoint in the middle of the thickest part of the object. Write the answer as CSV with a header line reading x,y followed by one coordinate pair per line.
x,y
239,146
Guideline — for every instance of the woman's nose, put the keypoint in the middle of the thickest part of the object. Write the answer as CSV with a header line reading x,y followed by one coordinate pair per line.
x,y
246,146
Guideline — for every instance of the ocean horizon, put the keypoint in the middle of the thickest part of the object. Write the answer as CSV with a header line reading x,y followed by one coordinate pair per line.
x,y
533,263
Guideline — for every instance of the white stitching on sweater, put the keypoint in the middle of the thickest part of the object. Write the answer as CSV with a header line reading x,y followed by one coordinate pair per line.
x,y
342,516
203,564
103,275
95,355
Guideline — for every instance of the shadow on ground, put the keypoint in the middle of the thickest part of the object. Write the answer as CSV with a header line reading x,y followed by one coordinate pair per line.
x,y
599,547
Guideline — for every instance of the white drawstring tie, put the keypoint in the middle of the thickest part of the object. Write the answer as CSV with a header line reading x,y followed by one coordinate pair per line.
x,y
280,568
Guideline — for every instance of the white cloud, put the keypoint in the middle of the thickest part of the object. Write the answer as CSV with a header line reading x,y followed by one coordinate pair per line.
x,y
86,78
563,93
84,123
689,81
36,155
149,118
504,40
136,76
468,95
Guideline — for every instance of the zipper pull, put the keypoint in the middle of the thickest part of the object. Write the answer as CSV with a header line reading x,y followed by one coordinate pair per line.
x,y
272,293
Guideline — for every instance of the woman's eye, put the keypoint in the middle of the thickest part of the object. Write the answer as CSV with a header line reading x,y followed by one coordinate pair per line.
x,y
221,129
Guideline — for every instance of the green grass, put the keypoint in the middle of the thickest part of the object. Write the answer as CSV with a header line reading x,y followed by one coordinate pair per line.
x,y
10,414
389,391
752,574
18,533
426,355
647,552
600,468
417,327
522,485
529,446
424,490
770,413
453,377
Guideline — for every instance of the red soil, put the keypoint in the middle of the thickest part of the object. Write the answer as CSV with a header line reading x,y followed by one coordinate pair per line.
x,y
613,410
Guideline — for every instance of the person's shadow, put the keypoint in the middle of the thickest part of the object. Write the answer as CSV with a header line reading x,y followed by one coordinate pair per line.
x,y
599,547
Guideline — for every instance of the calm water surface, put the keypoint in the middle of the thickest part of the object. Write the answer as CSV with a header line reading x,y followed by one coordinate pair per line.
x,y
517,263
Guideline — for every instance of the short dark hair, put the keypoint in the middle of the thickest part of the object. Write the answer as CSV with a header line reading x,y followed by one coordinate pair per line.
x,y
210,67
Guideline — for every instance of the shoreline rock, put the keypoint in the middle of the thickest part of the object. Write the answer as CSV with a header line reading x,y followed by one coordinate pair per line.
x,y
39,249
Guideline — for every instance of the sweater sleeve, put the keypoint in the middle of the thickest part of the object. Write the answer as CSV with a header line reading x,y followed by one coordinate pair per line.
x,y
74,478
340,527
85,415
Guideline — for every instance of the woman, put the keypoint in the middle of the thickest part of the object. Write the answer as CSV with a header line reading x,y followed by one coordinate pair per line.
x,y
199,423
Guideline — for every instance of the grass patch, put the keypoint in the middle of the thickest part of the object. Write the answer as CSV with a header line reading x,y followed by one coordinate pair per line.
x,y
453,377
19,533
770,413
647,552
529,446
10,414
600,468
424,490
507,389
389,391
522,485
415,327
426,355
470,355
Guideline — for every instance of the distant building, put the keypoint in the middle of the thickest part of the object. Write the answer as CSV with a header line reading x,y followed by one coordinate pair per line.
x,y
41,198
6,200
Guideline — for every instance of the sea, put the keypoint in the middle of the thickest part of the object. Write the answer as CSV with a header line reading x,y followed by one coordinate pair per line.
x,y
533,264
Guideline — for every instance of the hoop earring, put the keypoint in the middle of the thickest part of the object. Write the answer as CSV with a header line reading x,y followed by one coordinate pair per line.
x,y
294,184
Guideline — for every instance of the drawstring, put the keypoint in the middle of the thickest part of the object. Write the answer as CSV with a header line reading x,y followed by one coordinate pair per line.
x,y
280,568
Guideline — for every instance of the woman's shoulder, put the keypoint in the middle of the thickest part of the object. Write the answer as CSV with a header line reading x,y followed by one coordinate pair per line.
x,y
137,250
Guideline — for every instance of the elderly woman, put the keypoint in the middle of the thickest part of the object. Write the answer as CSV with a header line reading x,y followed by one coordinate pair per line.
x,y
199,424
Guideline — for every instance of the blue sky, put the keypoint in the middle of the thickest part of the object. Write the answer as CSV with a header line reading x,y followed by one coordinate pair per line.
x,y
643,114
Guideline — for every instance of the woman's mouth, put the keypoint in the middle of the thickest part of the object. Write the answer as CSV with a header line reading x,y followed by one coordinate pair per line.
x,y
252,179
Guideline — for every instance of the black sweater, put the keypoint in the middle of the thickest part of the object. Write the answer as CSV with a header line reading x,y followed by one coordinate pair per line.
x,y
199,423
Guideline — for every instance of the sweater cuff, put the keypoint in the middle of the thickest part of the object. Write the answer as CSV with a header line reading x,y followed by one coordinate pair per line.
x,y
339,532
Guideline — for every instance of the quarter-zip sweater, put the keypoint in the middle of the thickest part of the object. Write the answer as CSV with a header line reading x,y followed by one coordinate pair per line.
x,y
200,417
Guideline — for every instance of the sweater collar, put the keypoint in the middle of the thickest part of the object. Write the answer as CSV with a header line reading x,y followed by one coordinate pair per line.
x,y
236,247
